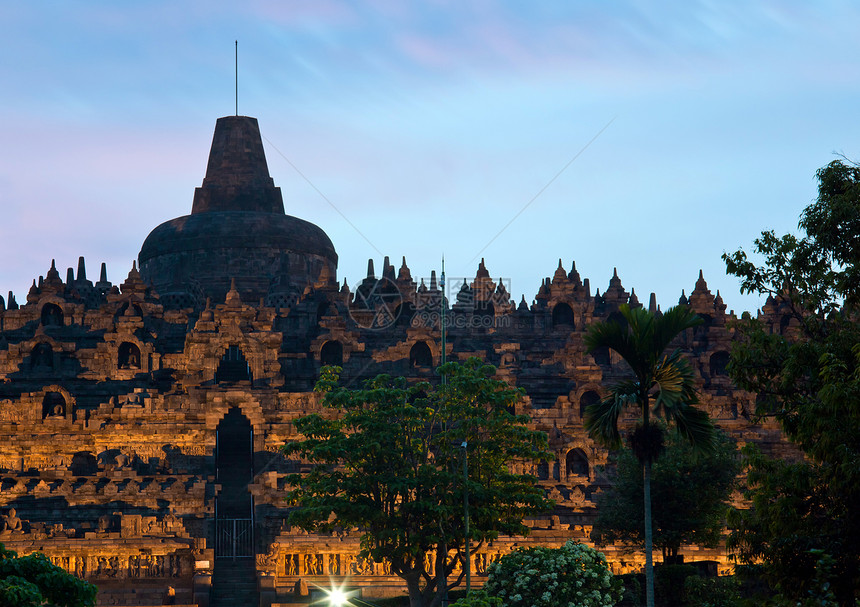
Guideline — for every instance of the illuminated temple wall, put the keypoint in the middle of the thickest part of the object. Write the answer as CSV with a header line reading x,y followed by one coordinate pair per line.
x,y
113,398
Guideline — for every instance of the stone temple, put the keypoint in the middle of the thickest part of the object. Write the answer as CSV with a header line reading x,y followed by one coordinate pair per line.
x,y
140,423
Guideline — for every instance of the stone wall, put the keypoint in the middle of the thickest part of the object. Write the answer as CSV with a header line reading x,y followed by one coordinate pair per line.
x,y
110,405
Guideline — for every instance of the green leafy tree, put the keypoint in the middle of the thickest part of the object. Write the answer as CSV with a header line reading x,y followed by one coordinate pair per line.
x,y
712,591
478,598
574,574
33,581
691,489
389,462
662,386
802,358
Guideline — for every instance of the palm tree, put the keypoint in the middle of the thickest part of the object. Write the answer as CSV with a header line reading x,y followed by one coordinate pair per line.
x,y
665,379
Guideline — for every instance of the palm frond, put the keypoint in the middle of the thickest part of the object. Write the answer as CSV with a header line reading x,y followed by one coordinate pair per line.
x,y
612,335
695,425
601,418
642,324
675,400
669,377
673,322
675,383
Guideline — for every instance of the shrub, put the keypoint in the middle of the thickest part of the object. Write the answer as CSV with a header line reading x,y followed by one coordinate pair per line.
x,y
711,592
571,576
34,580
669,583
632,588
478,598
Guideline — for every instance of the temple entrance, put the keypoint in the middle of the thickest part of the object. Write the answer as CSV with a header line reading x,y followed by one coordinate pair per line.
x,y
233,367
234,507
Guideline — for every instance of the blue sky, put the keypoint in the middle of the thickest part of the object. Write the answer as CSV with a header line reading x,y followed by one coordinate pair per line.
x,y
430,126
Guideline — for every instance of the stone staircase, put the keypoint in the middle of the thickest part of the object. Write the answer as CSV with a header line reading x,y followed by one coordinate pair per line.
x,y
234,466
234,580
234,583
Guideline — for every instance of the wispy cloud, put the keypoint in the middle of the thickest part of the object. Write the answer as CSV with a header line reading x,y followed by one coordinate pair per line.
x,y
429,124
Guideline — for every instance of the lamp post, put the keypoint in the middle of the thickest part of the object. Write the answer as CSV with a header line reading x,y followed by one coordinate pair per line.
x,y
468,563
442,575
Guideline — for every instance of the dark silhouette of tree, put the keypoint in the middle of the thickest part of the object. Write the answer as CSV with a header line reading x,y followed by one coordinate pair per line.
x,y
691,497
641,339
803,361
390,463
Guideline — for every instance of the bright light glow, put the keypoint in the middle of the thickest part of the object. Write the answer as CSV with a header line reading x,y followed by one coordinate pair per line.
x,y
337,597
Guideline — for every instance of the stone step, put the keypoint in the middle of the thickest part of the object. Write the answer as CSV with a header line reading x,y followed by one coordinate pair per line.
x,y
234,583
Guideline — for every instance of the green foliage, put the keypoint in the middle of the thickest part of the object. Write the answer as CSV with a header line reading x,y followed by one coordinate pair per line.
x,y
632,588
670,583
805,369
16,591
389,461
667,379
32,580
690,493
821,593
554,577
478,598
711,591
818,593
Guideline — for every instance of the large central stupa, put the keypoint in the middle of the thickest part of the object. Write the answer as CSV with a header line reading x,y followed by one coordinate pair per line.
x,y
237,230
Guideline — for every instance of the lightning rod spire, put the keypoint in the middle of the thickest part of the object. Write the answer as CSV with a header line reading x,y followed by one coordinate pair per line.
x,y
236,55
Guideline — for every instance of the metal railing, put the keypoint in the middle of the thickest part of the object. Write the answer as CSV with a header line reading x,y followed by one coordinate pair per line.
x,y
234,538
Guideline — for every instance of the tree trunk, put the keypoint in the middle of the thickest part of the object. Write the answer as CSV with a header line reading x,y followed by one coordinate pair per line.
x,y
442,574
671,556
649,563
413,587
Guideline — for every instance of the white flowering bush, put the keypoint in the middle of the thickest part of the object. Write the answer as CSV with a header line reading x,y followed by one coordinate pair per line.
x,y
571,576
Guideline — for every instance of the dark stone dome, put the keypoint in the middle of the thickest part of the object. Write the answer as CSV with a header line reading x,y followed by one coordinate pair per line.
x,y
237,230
